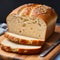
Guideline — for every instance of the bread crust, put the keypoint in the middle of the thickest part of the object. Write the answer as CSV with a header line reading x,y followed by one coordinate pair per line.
x,y
20,40
20,50
47,15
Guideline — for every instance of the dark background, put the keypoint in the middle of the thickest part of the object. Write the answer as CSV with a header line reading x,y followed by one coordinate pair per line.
x,y
6,6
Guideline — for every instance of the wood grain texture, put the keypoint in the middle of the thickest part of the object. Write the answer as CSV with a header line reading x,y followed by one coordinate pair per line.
x,y
14,56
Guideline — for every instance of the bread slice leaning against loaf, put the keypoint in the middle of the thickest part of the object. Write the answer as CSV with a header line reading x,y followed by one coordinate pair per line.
x,y
23,39
24,49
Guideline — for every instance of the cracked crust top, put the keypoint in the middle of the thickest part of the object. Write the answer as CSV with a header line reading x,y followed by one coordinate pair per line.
x,y
44,12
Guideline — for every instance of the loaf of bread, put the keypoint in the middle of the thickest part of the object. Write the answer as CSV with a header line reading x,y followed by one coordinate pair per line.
x,y
32,20
18,48
28,25
23,39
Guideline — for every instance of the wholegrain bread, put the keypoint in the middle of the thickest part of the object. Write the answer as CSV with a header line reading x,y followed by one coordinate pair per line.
x,y
23,39
18,48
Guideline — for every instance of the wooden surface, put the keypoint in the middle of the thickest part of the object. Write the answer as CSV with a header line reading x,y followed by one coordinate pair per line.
x,y
49,42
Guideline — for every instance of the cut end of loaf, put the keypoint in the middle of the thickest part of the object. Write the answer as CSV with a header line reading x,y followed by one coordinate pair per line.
x,y
25,26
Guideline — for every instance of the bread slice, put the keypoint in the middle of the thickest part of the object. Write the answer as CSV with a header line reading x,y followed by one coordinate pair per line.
x,y
23,39
18,48
32,20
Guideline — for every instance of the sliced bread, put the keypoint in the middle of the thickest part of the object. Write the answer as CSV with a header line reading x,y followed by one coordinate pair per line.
x,y
18,48
23,39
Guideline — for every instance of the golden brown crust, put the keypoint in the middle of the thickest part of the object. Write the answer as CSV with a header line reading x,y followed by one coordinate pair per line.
x,y
23,41
21,51
20,8
44,12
